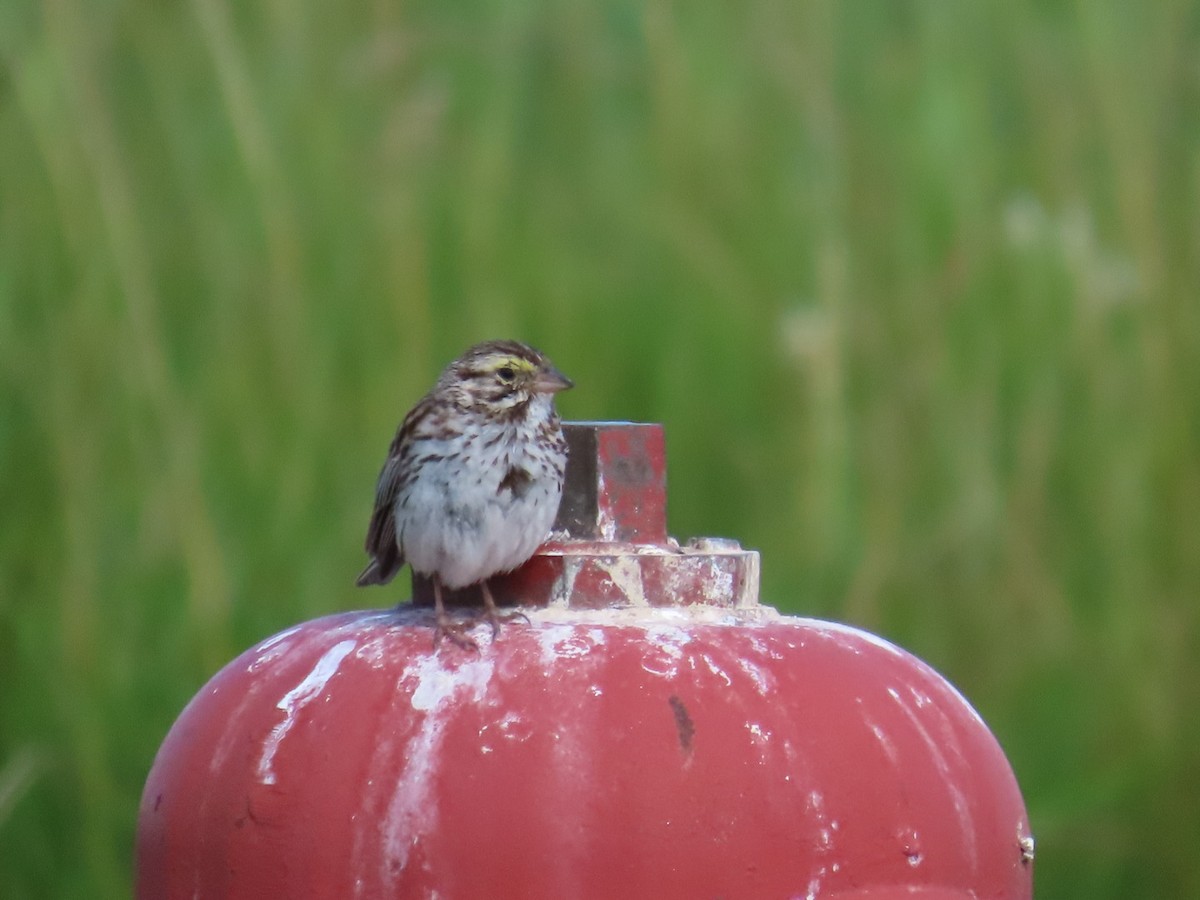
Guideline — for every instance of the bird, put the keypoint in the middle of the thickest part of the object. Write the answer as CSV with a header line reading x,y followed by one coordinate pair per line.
x,y
473,478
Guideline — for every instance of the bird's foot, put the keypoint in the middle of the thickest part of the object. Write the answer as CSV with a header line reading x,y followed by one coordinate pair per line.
x,y
495,617
492,612
456,631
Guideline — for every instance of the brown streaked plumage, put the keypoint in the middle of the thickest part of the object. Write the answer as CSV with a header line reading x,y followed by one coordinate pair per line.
x,y
473,476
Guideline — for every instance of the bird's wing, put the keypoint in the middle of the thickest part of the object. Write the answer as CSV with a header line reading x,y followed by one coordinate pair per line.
x,y
381,546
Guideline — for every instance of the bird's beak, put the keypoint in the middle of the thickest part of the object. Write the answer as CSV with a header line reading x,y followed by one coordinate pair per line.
x,y
551,381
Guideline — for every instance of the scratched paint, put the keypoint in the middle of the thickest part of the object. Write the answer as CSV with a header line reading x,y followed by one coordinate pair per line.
x,y
664,650
511,727
282,636
885,743
655,617
676,576
295,700
565,642
962,806
760,738
606,523
563,587
760,676
542,704
715,669
815,808
626,575
273,648
437,691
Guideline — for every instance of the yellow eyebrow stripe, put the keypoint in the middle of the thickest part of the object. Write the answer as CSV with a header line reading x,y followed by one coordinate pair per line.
x,y
515,363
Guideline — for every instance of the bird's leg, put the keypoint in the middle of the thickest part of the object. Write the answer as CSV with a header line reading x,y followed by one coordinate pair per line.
x,y
492,612
456,631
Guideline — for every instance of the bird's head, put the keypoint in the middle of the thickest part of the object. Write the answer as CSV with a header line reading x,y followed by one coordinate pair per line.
x,y
500,376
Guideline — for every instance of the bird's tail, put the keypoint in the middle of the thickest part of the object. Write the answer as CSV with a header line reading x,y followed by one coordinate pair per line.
x,y
376,572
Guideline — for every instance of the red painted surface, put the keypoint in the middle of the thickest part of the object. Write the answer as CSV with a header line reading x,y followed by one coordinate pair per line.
x,y
633,487
651,731
654,753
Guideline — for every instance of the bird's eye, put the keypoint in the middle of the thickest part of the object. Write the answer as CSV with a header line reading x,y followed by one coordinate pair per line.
x,y
506,374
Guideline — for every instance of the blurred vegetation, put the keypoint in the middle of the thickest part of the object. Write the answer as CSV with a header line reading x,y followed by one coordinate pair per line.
x,y
914,286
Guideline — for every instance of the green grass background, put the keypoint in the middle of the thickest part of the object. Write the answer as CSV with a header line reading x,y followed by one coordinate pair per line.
x,y
914,287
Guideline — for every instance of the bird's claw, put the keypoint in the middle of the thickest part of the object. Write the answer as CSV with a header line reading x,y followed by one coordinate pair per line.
x,y
495,617
456,632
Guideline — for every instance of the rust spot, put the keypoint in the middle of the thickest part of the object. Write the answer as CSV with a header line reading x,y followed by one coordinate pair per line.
x,y
683,723
1027,851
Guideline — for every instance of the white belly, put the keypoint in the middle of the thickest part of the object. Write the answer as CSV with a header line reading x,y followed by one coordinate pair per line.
x,y
465,527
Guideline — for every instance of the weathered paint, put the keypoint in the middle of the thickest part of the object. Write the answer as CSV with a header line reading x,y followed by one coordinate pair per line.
x,y
586,574
667,752
650,731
